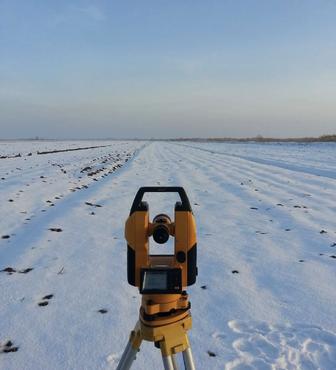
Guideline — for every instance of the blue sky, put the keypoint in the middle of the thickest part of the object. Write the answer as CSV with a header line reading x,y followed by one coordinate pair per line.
x,y
167,68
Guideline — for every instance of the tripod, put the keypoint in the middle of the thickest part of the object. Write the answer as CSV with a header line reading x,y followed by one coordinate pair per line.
x,y
168,332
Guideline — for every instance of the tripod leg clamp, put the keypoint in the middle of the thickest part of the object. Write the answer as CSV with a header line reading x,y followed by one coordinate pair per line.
x,y
136,336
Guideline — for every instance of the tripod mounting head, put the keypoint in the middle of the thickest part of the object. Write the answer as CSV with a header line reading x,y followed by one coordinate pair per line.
x,y
161,274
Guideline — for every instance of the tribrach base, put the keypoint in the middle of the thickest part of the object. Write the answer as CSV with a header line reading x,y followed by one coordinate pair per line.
x,y
171,338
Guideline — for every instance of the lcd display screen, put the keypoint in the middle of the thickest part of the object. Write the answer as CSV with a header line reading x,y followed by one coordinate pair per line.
x,y
155,280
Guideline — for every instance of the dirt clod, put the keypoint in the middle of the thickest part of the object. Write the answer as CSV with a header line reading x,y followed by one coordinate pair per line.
x,y
49,296
25,271
8,269
56,229
44,303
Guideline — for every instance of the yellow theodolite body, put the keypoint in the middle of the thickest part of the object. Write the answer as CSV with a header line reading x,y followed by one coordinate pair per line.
x,y
174,271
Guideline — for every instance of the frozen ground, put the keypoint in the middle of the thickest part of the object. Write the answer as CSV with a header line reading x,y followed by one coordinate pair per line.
x,y
265,296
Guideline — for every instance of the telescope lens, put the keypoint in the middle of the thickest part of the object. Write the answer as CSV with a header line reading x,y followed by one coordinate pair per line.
x,y
160,234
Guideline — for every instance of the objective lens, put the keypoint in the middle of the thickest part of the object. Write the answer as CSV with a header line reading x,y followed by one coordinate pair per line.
x,y
160,234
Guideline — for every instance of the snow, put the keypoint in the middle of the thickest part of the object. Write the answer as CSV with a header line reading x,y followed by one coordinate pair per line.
x,y
266,212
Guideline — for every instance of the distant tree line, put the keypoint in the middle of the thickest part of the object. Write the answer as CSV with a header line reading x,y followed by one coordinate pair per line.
x,y
261,139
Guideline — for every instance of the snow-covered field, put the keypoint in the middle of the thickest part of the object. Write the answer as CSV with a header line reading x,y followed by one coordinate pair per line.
x,y
265,295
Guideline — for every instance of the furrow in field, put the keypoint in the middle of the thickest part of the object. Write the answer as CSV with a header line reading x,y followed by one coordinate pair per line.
x,y
294,192
251,293
289,238
307,168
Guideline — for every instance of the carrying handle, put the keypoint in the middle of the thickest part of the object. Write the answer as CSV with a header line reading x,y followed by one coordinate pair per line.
x,y
137,202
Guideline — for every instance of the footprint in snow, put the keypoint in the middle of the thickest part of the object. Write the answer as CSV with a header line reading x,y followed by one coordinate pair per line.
x,y
113,358
260,345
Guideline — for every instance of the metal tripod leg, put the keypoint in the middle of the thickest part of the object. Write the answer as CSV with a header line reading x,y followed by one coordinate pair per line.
x,y
128,357
174,362
131,350
168,363
188,359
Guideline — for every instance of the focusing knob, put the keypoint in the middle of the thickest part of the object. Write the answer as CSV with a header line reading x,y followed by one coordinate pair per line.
x,y
180,256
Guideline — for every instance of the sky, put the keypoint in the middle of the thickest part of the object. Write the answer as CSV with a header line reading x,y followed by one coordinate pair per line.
x,y
159,69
